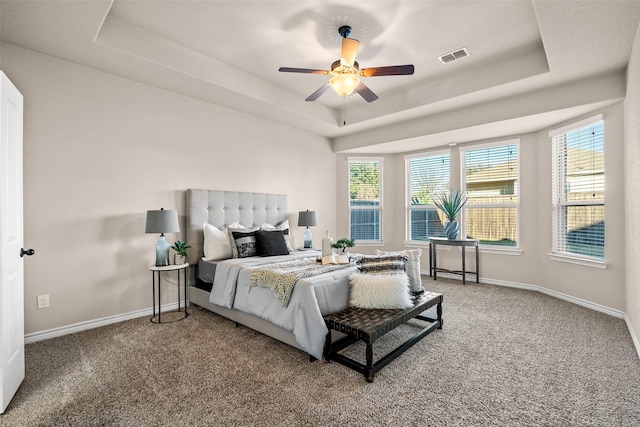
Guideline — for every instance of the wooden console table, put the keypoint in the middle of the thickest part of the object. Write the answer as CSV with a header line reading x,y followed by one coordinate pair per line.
x,y
463,243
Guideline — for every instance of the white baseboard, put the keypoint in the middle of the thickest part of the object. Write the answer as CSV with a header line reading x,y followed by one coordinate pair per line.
x,y
575,300
634,337
584,303
588,304
96,323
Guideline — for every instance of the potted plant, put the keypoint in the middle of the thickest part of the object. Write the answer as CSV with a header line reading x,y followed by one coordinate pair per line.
x,y
450,203
180,256
343,244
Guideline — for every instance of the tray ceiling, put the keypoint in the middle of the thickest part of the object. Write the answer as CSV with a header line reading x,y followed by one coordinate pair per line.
x,y
229,52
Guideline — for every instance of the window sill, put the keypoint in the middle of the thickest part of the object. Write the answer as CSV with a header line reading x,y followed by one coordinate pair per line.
x,y
486,249
369,242
417,243
587,262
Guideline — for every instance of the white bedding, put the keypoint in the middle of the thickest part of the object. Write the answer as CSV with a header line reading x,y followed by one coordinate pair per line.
x,y
311,299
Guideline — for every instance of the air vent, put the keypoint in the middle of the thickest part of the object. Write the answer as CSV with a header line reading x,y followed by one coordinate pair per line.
x,y
452,56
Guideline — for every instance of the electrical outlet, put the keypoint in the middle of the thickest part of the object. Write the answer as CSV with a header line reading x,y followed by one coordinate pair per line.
x,y
43,301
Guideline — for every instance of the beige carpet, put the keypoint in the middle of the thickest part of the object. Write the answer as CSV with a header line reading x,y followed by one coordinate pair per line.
x,y
505,357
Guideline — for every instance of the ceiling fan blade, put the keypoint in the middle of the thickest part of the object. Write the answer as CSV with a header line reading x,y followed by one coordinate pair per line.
x,y
349,50
315,95
394,70
366,93
302,70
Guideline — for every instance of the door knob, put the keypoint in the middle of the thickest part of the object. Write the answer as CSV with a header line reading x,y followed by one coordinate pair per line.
x,y
27,252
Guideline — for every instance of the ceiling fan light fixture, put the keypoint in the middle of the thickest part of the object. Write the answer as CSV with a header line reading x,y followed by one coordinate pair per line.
x,y
345,72
344,84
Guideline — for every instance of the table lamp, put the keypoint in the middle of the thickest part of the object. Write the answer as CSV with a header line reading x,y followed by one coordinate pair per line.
x,y
162,221
307,219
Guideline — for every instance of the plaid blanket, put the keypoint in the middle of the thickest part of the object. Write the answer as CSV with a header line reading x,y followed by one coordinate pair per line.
x,y
282,277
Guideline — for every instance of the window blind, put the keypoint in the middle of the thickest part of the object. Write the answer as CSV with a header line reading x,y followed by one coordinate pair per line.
x,y
365,198
426,175
491,185
578,179
491,175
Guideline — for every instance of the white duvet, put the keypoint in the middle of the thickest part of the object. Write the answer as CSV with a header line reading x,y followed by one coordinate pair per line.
x,y
312,298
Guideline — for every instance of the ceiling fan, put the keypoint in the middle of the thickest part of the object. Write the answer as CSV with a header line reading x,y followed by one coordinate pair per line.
x,y
346,71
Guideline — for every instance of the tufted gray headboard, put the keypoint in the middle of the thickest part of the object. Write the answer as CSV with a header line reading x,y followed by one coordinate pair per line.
x,y
222,208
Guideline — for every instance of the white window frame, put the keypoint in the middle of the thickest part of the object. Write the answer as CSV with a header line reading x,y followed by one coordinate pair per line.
x,y
380,160
558,201
407,186
509,250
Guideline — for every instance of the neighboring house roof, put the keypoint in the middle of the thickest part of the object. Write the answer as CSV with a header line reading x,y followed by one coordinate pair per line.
x,y
584,161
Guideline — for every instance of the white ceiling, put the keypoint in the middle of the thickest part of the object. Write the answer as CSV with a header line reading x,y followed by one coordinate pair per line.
x,y
530,62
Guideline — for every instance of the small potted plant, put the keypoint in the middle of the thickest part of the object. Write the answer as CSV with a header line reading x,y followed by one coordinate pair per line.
x,y
343,244
450,203
180,256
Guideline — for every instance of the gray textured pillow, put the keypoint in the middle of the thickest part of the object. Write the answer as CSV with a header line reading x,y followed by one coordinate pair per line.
x,y
412,267
381,264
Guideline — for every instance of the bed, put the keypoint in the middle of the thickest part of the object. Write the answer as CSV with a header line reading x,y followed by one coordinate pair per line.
x,y
223,286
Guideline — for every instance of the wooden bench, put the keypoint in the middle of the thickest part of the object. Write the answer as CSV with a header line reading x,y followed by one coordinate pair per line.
x,y
369,325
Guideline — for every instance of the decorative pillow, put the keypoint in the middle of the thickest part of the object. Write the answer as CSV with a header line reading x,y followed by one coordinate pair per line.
x,y
284,226
243,242
381,264
216,243
270,243
412,267
389,291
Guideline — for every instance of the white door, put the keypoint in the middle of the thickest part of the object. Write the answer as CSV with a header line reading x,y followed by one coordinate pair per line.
x,y
11,239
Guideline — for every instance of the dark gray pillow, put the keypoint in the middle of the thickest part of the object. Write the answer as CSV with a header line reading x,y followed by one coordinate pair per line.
x,y
271,243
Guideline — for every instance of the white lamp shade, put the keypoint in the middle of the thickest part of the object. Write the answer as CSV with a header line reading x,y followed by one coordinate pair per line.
x,y
162,221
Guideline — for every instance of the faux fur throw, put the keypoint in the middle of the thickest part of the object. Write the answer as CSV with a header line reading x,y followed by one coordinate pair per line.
x,y
282,277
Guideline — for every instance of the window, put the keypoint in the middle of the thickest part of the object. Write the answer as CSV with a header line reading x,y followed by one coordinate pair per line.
x,y
365,198
490,174
426,175
578,189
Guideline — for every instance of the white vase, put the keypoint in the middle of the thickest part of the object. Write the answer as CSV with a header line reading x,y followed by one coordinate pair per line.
x,y
326,245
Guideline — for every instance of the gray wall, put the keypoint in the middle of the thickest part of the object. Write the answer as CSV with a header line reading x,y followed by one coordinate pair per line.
x,y
99,151
632,189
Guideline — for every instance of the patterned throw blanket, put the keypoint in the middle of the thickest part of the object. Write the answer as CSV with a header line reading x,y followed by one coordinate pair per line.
x,y
282,277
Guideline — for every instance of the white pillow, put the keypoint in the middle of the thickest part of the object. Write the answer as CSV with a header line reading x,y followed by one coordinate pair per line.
x,y
379,291
412,267
217,244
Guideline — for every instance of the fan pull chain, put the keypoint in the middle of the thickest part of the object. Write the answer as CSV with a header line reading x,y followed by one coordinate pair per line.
x,y
344,112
